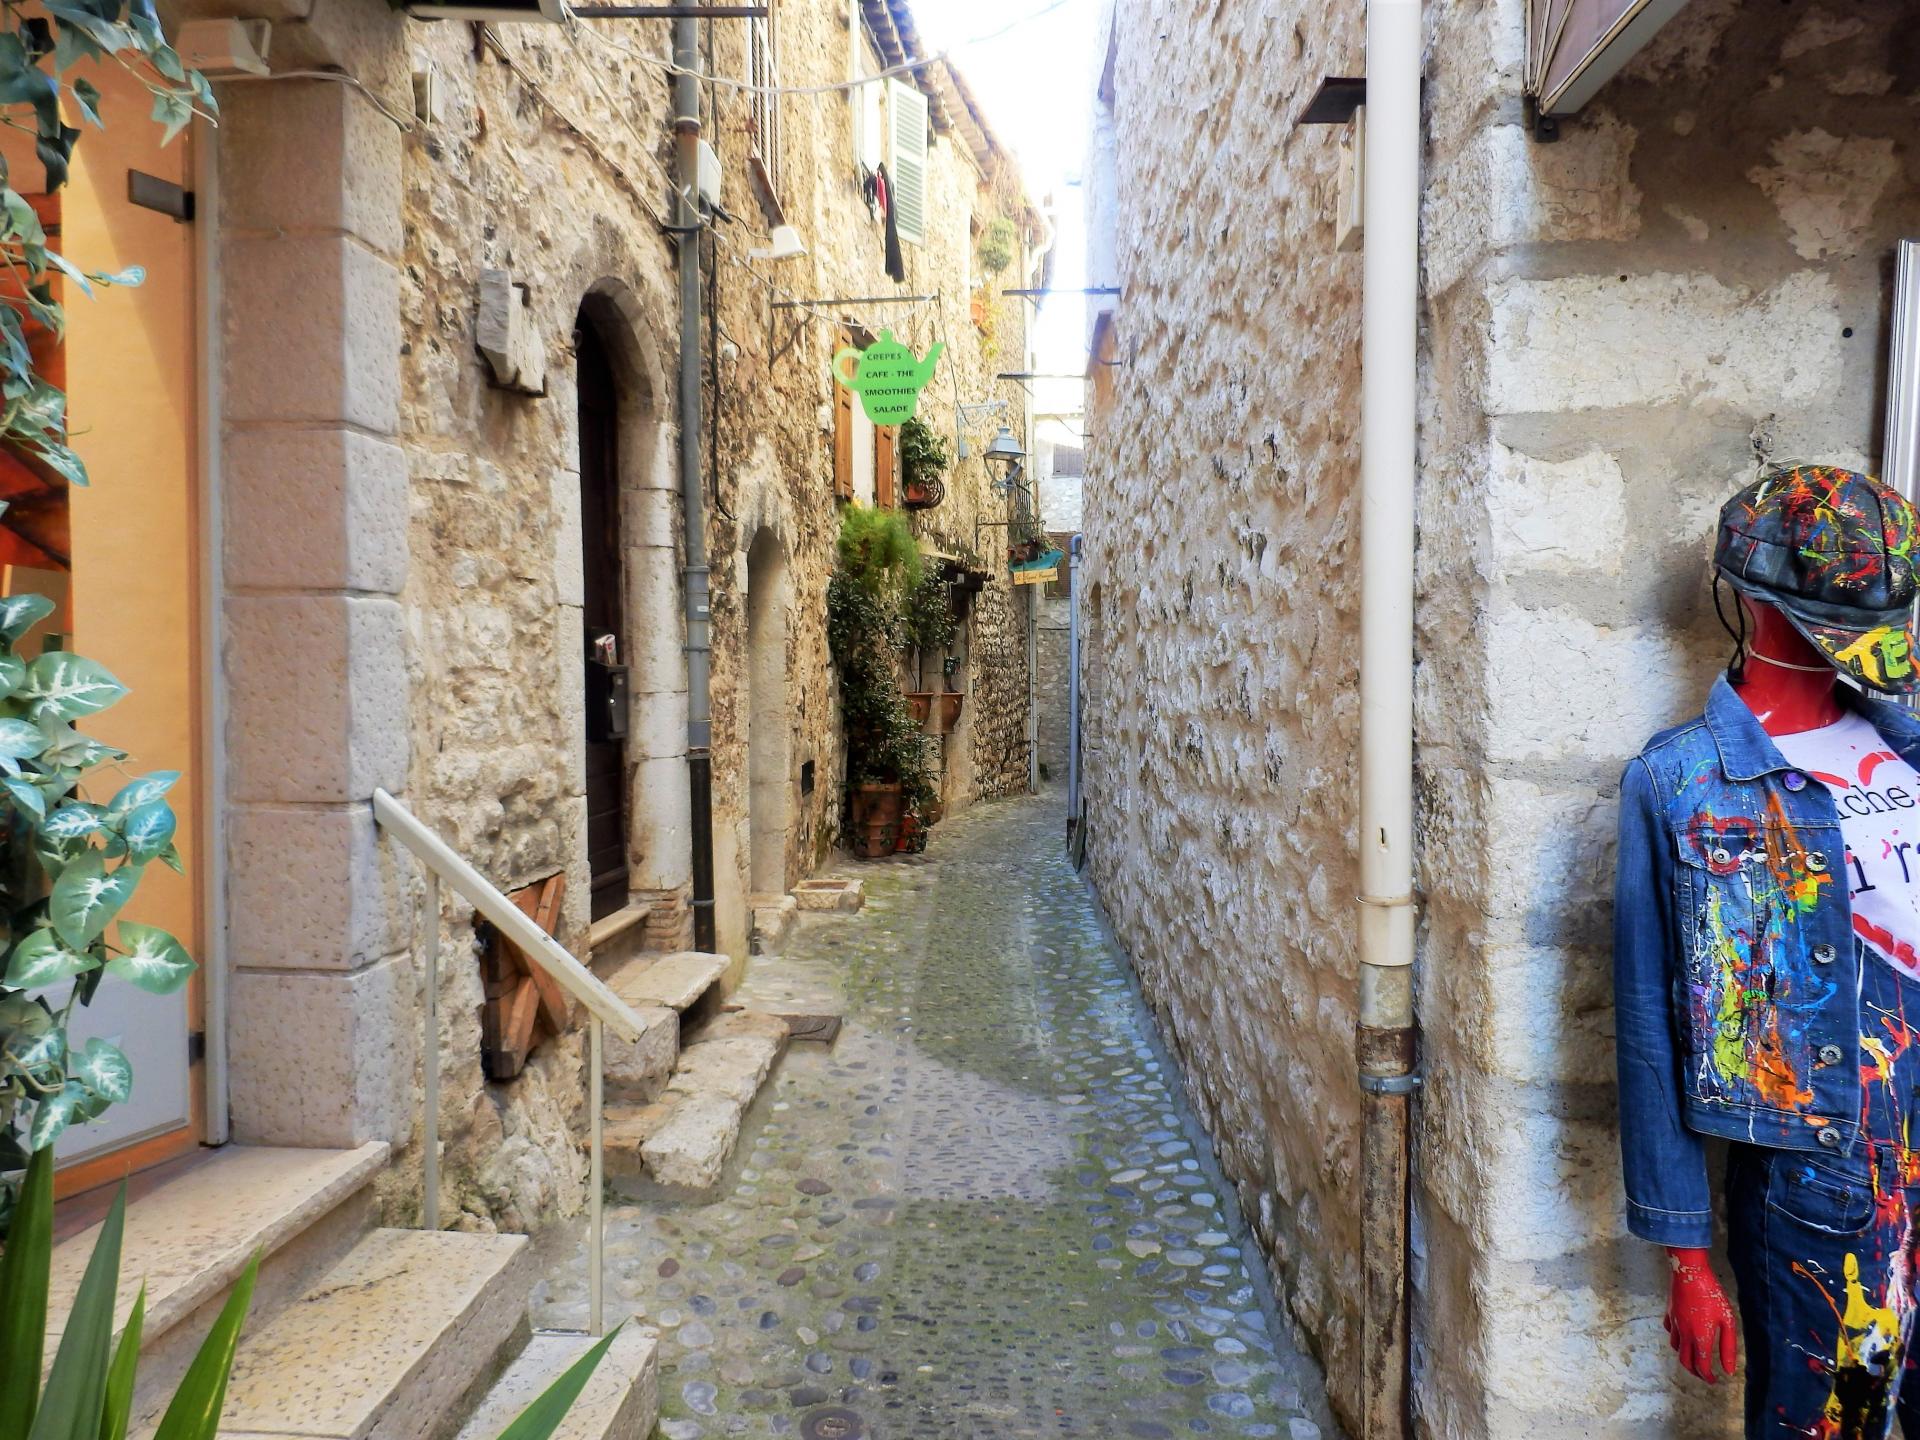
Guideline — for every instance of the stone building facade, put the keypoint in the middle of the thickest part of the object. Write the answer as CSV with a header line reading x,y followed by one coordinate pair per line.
x,y
407,581
1615,329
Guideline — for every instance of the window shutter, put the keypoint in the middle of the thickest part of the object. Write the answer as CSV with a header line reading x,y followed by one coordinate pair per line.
x,y
885,457
842,428
907,167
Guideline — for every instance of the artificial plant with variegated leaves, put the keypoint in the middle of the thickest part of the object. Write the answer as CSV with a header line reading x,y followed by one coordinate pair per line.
x,y
76,834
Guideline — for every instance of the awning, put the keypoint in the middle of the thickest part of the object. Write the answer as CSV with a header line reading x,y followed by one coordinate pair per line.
x,y
1038,572
1576,46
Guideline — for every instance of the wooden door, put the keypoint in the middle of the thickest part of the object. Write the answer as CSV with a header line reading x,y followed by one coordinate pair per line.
x,y
603,573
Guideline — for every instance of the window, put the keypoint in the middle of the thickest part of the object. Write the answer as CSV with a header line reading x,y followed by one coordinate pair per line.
x,y
863,101
866,456
764,116
907,160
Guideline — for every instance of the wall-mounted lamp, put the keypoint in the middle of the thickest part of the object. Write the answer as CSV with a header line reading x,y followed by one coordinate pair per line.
x,y
1004,451
786,244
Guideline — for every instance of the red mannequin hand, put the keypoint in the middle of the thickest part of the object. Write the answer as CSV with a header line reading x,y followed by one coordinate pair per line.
x,y
1699,1319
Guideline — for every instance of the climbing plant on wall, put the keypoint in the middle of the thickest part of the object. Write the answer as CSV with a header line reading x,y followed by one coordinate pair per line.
x,y
76,831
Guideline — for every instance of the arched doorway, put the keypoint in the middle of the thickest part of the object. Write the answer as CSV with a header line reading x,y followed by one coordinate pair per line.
x,y
769,799
603,611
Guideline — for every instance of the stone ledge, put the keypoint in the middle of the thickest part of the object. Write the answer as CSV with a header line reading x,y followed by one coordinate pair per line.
x,y
609,928
189,1240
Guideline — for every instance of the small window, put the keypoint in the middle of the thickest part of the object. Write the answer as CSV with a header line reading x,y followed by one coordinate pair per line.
x,y
907,163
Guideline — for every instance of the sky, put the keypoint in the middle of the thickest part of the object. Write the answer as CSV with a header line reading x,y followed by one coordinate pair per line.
x,y
1031,64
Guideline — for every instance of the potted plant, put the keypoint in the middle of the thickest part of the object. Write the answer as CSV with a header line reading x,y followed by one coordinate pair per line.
x,y
878,566
924,457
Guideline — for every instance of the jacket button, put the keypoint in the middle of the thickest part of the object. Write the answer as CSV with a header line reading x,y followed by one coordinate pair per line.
x,y
1831,1139
1816,861
1794,780
1722,855
1825,954
1831,1055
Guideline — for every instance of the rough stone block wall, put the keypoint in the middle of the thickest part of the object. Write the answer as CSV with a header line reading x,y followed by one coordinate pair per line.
x,y
1052,656
549,161
1618,328
1220,545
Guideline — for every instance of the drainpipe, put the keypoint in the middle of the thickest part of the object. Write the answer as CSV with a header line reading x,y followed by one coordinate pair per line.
x,y
1384,1043
686,133
1073,685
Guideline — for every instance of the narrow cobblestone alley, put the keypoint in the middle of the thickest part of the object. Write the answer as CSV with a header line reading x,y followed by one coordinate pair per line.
x,y
982,1213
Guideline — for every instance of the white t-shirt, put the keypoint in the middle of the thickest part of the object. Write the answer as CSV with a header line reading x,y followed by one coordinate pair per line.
x,y
1878,796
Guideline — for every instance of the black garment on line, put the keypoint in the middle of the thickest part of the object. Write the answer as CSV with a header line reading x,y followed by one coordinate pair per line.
x,y
896,262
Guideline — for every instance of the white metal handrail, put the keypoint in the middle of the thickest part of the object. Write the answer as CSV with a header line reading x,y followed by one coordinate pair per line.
x,y
603,1008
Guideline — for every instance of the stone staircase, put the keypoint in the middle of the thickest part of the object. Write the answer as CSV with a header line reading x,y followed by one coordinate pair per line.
x,y
675,1100
355,1332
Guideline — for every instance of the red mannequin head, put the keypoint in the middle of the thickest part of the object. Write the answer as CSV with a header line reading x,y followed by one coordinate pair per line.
x,y
1788,685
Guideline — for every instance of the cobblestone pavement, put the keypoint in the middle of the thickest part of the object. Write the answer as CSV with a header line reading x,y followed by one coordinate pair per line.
x,y
981,1213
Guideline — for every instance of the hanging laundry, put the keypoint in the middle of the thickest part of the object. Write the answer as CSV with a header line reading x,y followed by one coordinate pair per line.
x,y
896,262
870,192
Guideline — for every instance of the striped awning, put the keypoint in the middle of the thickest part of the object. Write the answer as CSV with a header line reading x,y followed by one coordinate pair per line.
x,y
1576,46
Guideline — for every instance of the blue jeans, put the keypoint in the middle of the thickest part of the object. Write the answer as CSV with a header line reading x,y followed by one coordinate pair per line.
x,y
1822,1251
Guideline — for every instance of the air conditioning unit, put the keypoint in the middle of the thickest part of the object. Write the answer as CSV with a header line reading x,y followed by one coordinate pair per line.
x,y
540,12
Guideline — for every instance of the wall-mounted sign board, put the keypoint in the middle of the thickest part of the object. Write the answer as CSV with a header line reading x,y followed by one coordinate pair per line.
x,y
887,376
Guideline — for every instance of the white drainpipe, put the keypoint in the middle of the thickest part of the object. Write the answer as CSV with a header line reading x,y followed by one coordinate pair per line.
x,y
1384,1043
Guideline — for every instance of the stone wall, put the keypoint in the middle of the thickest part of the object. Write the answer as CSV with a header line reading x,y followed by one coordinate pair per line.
x,y
1619,326
1616,328
494,585
1052,658
1220,544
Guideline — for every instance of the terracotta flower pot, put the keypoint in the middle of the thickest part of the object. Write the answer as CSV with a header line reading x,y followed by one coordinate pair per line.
x,y
919,705
909,828
923,494
948,714
876,818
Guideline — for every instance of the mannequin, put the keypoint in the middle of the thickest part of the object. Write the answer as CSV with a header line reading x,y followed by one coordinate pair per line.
x,y
1789,687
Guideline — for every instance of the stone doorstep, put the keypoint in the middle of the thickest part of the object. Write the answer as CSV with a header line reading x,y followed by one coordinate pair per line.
x,y
684,1138
637,1070
621,1400
386,1343
829,894
672,982
188,1240
773,917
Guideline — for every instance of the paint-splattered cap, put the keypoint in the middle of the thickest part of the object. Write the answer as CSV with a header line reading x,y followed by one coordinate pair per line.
x,y
1832,550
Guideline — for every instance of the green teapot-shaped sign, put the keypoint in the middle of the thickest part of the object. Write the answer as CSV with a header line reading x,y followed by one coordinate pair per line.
x,y
887,377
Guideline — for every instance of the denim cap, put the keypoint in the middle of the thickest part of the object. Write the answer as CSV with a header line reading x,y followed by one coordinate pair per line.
x,y
1832,550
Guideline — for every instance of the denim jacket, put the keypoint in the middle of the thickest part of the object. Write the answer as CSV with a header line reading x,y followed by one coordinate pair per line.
x,y
1736,970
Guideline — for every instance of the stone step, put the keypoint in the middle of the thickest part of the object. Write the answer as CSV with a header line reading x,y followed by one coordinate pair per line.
x,y
830,894
671,982
637,1070
621,1400
773,918
189,1238
387,1344
683,1139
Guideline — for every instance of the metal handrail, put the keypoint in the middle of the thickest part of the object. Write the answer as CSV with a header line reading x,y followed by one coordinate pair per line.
x,y
603,1008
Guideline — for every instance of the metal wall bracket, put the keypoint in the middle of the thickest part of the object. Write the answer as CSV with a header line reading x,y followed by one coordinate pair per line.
x,y
150,192
1390,1084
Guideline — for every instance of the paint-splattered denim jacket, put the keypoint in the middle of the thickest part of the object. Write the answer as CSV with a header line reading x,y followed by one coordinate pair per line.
x,y
1736,971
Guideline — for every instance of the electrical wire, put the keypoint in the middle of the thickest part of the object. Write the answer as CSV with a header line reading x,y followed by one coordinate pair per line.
x,y
340,77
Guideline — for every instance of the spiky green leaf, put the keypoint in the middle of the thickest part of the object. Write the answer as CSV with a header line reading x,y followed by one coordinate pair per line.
x,y
549,1408
126,1360
25,1267
194,1413
76,1390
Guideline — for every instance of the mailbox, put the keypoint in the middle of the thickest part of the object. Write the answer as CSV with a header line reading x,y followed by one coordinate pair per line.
x,y
606,701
